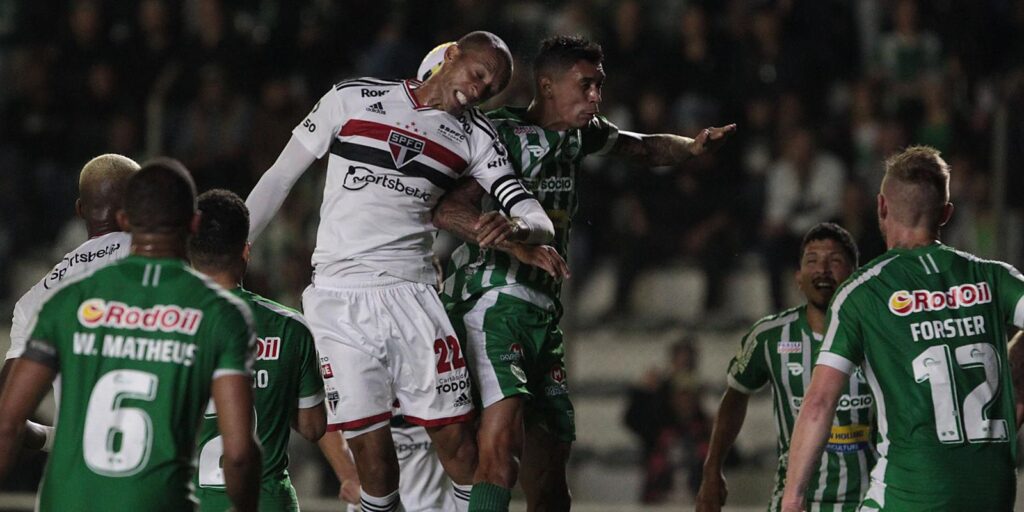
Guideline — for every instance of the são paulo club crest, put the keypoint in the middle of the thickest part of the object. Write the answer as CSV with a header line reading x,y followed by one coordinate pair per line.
x,y
404,148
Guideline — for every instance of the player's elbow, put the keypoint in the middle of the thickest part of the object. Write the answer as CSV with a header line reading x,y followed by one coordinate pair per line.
x,y
818,405
312,423
241,456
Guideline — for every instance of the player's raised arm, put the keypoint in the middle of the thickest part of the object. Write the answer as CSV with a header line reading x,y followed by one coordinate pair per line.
x,y
310,140
459,213
668,149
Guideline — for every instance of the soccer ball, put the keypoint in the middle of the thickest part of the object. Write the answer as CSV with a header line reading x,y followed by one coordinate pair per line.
x,y
433,61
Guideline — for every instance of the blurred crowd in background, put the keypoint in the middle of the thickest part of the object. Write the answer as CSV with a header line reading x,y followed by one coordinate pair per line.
x,y
822,91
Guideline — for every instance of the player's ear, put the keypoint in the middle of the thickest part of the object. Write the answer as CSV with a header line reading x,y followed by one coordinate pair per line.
x,y
947,213
883,208
122,220
452,52
247,252
544,86
78,208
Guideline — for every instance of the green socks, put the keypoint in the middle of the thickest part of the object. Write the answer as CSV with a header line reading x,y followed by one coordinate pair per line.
x,y
487,497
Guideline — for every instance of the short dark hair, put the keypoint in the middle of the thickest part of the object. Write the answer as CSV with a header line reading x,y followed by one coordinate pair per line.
x,y
835,232
223,230
559,53
160,197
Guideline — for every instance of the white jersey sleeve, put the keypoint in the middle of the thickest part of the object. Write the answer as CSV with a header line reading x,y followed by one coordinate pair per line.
x,y
310,140
92,254
317,131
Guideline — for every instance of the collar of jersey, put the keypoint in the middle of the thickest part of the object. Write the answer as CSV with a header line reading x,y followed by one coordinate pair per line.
x,y
408,86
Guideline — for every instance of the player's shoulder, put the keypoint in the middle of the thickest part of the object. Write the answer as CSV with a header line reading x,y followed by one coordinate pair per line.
x,y
775,321
264,308
218,301
988,264
366,82
476,123
867,276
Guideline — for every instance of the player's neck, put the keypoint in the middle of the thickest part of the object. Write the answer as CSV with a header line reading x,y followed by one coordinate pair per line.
x,y
816,319
229,280
903,237
537,113
101,227
429,94
152,245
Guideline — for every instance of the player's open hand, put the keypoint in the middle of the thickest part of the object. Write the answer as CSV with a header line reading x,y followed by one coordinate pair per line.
x,y
493,228
712,493
544,257
709,139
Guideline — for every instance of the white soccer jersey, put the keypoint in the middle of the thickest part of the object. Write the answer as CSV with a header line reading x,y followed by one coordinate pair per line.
x,y
391,159
94,253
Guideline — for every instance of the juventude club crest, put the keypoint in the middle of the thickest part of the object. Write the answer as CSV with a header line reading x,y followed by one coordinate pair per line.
x,y
404,148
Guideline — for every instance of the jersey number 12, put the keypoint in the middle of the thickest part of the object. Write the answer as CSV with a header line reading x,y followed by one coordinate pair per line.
x,y
934,366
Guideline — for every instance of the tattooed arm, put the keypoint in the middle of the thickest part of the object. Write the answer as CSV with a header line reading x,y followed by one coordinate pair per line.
x,y
458,212
667,149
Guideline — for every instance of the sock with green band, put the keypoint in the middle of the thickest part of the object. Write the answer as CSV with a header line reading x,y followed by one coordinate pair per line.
x,y
487,497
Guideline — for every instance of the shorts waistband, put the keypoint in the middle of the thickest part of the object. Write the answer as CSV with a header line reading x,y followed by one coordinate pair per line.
x,y
358,281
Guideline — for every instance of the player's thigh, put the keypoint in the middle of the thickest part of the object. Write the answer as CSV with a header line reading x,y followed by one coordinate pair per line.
x,y
502,333
551,407
357,382
426,359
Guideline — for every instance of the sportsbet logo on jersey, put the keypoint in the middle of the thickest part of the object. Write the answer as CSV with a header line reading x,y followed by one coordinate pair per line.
x,y
94,313
903,302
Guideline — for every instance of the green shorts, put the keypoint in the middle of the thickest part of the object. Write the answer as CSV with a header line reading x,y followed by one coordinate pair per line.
x,y
275,496
515,348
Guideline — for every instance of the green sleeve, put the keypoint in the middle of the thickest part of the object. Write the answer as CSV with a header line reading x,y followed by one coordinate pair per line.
x,y
1008,291
748,369
843,346
598,136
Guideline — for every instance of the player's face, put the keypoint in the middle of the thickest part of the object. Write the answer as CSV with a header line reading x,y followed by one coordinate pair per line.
x,y
576,93
823,267
476,76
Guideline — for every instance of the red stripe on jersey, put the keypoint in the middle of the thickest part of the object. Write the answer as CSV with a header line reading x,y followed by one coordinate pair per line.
x,y
440,421
381,131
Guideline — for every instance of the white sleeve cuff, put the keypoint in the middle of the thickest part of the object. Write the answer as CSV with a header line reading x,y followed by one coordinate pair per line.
x,y
735,384
836,361
1018,314
311,401
224,372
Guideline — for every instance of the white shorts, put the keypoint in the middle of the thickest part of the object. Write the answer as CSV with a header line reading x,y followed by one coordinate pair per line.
x,y
382,341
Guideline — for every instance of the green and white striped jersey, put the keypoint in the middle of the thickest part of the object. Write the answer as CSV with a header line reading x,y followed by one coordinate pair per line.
x,y
780,350
548,163
929,328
